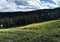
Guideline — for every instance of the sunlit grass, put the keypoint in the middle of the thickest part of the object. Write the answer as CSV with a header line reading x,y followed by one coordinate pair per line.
x,y
38,32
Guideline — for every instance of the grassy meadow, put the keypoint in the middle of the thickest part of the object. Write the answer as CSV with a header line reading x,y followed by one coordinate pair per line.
x,y
38,32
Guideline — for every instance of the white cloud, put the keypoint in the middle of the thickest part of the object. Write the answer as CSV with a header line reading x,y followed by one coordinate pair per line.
x,y
49,5
0,7
56,1
26,5
52,5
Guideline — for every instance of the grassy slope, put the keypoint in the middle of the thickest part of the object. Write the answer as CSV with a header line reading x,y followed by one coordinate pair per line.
x,y
39,32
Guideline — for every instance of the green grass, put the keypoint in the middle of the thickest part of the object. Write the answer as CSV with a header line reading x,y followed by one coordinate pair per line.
x,y
39,32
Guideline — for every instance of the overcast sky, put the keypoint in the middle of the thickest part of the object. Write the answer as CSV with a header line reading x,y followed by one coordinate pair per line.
x,y
27,5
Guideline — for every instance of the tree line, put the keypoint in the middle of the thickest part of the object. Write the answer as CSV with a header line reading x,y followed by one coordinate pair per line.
x,y
23,18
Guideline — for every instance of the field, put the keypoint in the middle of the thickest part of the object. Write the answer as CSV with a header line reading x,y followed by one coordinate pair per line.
x,y
48,31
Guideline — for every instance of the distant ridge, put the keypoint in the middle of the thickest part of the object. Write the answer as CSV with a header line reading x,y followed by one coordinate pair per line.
x,y
31,12
34,10
13,19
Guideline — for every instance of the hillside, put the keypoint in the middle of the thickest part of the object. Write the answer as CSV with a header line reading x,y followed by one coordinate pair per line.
x,y
15,19
38,32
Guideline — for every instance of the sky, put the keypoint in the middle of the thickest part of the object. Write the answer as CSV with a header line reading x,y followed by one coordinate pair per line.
x,y
27,5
